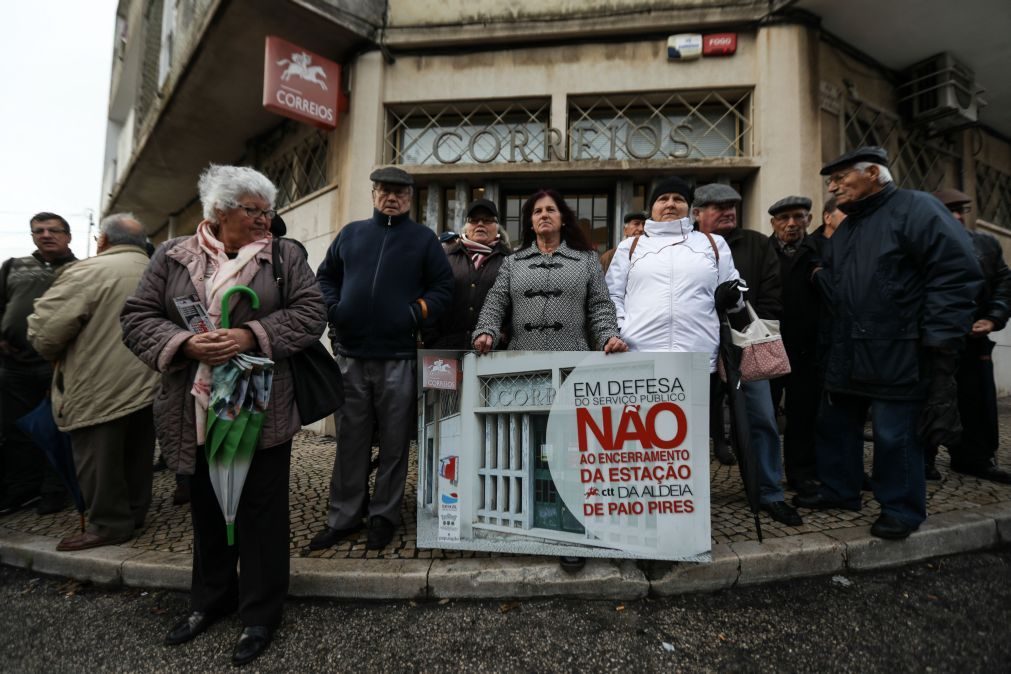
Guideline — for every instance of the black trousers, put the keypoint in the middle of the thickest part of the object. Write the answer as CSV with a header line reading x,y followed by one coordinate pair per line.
x,y
803,396
261,542
977,406
25,470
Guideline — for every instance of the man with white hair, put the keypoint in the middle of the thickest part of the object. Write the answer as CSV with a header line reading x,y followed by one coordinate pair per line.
x,y
899,280
102,393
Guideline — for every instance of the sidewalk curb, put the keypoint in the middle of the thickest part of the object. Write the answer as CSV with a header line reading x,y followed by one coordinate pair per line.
x,y
743,563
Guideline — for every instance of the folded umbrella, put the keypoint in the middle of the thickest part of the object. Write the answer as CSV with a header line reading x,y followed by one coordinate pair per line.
x,y
240,391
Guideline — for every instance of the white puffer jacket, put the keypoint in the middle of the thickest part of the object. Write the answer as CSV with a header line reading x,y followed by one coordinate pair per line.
x,y
664,295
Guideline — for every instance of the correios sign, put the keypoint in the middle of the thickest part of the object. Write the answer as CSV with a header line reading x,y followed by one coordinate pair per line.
x,y
300,84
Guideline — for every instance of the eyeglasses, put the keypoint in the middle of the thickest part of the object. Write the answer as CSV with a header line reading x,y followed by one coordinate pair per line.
x,y
39,231
386,191
838,177
254,213
482,221
961,208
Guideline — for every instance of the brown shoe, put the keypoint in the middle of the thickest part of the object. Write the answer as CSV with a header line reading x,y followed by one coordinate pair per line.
x,y
88,540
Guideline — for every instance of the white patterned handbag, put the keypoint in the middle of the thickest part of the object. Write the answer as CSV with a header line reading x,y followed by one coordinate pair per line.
x,y
763,355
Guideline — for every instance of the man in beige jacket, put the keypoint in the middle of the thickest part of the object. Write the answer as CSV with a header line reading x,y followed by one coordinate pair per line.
x,y
102,394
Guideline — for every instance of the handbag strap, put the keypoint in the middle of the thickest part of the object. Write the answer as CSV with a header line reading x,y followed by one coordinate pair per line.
x,y
635,242
275,262
713,244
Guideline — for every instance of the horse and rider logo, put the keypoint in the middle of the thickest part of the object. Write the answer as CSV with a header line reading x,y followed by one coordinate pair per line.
x,y
300,65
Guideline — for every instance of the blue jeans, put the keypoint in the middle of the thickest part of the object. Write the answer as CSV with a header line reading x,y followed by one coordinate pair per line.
x,y
899,483
764,439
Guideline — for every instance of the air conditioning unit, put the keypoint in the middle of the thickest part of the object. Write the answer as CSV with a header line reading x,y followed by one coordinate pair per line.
x,y
940,91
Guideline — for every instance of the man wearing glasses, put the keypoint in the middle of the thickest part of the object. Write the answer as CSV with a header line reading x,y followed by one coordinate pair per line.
x,y
791,216
384,279
977,395
899,280
24,374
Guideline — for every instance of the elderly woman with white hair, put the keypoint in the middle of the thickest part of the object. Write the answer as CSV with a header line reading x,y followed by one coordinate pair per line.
x,y
232,246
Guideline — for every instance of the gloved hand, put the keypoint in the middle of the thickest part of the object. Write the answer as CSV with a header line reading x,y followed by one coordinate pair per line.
x,y
727,295
939,422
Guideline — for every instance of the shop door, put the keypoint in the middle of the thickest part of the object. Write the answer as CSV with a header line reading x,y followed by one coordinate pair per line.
x,y
549,510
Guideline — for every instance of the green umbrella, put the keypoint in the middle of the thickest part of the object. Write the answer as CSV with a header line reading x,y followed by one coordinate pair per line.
x,y
240,390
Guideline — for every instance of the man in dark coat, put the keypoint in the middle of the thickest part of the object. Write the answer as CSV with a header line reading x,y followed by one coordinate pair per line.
x,y
899,279
634,224
383,279
714,208
475,259
791,216
977,394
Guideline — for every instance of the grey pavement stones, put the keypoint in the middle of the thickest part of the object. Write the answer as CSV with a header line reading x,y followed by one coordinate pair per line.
x,y
965,513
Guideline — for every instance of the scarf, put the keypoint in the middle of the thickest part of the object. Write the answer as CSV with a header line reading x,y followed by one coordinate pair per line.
x,y
222,274
478,251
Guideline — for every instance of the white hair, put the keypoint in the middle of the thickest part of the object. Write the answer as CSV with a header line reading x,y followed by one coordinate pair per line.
x,y
884,175
221,187
119,230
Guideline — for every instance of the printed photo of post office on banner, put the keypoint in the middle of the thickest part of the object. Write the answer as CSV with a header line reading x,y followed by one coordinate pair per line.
x,y
565,453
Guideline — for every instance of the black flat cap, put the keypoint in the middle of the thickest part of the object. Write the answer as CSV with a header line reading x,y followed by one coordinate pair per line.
x,y
486,204
672,184
950,197
871,153
789,203
446,237
714,193
635,215
391,175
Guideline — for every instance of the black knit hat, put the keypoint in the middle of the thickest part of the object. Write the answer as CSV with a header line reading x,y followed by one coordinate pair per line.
x,y
670,184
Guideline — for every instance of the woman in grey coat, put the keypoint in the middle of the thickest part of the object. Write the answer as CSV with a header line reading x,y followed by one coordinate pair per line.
x,y
232,246
554,287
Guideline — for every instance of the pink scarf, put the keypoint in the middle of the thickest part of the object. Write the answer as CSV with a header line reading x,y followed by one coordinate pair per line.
x,y
222,274
478,251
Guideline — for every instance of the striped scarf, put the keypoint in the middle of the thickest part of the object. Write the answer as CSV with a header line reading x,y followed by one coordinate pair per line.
x,y
478,251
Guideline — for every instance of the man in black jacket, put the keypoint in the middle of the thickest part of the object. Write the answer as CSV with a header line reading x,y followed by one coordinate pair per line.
x,y
714,208
899,280
977,394
383,280
791,216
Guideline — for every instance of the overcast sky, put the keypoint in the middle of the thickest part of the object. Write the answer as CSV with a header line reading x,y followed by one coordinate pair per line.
x,y
55,60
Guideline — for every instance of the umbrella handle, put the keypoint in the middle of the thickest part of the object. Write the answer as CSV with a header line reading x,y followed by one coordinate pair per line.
x,y
253,298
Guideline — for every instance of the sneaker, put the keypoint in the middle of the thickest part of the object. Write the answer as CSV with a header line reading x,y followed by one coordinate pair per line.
x,y
380,533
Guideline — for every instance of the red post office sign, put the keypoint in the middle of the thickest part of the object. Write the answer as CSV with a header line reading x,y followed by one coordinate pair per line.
x,y
300,84
719,44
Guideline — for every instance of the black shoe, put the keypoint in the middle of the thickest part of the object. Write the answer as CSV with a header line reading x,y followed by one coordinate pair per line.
x,y
182,495
188,628
868,484
16,503
723,453
992,473
380,533
783,513
160,464
806,487
51,503
331,537
931,472
818,502
251,644
891,528
572,564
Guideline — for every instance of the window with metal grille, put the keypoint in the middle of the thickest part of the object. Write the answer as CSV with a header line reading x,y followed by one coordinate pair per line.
x,y
294,157
660,125
993,195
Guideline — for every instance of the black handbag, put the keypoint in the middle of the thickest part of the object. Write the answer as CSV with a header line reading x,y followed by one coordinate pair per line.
x,y
319,386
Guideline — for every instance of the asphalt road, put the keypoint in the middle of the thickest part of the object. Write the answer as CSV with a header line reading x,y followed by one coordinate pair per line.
x,y
949,615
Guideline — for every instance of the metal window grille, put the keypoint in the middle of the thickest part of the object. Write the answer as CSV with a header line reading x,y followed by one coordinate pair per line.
x,y
993,195
661,125
468,133
917,163
294,157
506,441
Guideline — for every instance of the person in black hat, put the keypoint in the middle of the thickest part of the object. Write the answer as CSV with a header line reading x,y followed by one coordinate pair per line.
x,y
634,222
976,453
475,258
899,280
384,280
790,218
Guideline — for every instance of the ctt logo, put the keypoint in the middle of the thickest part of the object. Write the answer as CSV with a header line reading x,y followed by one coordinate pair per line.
x,y
299,65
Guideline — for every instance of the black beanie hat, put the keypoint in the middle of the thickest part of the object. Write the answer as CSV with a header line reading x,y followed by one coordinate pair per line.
x,y
671,184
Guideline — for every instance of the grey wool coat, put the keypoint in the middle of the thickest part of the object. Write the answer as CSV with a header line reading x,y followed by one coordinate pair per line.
x,y
558,302
155,332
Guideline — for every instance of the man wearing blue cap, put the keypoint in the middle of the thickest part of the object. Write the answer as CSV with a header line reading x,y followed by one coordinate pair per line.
x,y
899,280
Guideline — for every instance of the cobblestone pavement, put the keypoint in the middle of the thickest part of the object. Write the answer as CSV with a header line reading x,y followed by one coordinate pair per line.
x,y
168,526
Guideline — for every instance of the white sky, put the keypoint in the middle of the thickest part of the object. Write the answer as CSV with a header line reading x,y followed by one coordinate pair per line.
x,y
55,60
